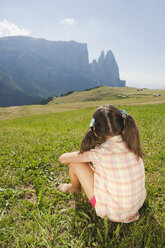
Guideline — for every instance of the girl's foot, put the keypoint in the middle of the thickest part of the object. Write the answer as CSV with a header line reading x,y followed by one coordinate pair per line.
x,y
68,188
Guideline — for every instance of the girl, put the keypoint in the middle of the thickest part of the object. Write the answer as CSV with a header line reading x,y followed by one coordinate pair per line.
x,y
115,185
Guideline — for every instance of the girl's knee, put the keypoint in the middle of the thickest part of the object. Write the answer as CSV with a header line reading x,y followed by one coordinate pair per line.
x,y
78,166
72,166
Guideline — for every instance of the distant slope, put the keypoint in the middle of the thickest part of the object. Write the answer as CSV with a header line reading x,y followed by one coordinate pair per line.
x,y
11,93
87,99
109,93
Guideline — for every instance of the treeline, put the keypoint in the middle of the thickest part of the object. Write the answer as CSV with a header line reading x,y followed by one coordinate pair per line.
x,y
45,101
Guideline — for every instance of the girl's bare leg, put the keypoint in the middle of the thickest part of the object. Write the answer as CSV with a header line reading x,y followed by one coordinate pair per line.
x,y
81,175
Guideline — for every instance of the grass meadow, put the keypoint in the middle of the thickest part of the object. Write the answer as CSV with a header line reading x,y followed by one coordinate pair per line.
x,y
33,213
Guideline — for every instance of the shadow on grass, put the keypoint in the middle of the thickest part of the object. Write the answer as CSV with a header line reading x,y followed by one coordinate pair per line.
x,y
93,231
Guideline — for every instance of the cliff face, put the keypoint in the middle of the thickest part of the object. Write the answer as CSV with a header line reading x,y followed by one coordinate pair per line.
x,y
43,67
39,68
105,71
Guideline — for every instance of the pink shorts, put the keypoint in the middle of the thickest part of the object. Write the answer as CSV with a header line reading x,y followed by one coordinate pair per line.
x,y
93,201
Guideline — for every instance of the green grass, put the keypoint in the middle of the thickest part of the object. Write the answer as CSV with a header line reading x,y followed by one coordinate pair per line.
x,y
33,213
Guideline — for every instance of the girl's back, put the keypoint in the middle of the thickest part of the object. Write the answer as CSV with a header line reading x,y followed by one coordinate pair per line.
x,y
119,180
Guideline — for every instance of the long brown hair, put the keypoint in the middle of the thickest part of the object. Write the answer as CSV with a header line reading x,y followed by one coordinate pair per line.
x,y
109,121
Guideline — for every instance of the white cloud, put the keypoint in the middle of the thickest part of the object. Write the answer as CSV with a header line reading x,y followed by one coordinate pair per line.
x,y
68,21
10,29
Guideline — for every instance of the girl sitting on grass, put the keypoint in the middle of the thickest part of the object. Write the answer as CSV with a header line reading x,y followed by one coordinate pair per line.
x,y
115,185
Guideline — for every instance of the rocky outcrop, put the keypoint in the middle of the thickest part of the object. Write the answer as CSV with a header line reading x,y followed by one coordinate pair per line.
x,y
39,68
105,71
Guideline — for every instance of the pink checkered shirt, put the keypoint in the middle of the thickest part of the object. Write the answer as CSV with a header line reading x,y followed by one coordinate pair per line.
x,y
119,180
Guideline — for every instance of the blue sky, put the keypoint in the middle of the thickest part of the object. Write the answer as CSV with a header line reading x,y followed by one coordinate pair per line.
x,y
133,29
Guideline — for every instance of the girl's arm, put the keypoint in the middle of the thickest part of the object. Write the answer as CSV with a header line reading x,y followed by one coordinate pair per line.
x,y
73,157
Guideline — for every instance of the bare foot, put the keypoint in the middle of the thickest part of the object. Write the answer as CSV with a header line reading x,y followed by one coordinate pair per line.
x,y
68,188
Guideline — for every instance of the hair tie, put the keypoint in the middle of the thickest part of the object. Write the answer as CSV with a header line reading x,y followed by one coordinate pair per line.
x,y
124,113
92,123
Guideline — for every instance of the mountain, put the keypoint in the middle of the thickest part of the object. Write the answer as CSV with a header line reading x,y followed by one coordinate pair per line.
x,y
32,69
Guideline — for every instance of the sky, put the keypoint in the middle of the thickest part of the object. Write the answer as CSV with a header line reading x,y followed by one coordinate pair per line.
x,y
134,30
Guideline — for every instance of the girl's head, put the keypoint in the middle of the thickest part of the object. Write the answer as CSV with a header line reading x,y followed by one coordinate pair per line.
x,y
109,121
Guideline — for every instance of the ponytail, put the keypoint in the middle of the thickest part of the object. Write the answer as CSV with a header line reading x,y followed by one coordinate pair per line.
x,y
89,141
131,135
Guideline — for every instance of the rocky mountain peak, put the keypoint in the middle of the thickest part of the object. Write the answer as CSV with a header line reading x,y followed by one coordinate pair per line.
x,y
106,70
101,58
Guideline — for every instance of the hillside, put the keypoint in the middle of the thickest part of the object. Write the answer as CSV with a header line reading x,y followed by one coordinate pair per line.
x,y
87,99
119,94
11,94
